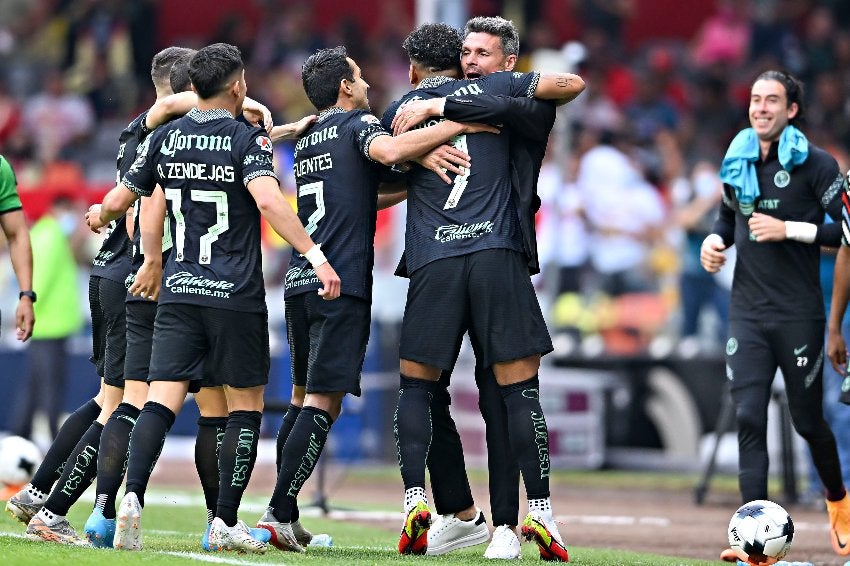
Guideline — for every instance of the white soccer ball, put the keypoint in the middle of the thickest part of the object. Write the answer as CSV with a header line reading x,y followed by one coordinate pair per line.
x,y
761,532
19,459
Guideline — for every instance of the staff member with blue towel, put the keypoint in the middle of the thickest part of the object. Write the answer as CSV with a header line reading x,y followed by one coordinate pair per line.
x,y
776,188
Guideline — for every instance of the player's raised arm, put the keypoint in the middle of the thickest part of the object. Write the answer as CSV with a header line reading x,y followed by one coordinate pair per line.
x,y
558,87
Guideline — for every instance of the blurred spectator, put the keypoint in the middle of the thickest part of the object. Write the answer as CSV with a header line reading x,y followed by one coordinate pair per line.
x,y
562,238
724,38
615,77
695,203
712,121
56,118
651,110
12,140
99,58
817,43
625,214
594,109
58,311
829,119
607,16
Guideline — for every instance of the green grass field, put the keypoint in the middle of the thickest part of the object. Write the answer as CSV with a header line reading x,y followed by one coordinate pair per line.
x,y
173,521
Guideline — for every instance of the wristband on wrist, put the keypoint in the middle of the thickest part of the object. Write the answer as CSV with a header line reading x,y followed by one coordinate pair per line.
x,y
801,231
713,238
315,256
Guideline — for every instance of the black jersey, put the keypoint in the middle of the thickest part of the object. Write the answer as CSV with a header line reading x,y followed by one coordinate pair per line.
x,y
781,280
477,212
337,199
203,161
113,260
137,253
530,121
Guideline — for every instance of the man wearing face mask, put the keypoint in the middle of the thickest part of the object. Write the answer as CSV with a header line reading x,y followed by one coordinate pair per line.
x,y
54,238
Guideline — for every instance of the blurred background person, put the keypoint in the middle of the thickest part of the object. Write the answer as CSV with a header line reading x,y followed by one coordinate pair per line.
x,y
55,236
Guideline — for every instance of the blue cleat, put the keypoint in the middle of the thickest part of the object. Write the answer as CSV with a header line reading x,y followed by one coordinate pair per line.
x,y
261,535
99,530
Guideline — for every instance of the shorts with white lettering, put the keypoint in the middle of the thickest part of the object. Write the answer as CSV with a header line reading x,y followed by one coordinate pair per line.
x,y
487,293
106,300
211,346
327,341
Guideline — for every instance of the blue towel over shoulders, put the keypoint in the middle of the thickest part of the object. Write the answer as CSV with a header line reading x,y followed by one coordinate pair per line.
x,y
738,167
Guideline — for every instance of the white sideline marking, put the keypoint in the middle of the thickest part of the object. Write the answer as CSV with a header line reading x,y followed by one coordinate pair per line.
x,y
215,559
613,520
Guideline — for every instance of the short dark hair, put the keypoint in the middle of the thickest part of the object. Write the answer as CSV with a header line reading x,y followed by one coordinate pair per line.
x,y
435,47
794,90
321,74
163,62
498,26
212,68
179,77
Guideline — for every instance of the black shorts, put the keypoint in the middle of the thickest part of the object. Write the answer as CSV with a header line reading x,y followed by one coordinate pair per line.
x,y
327,341
210,346
487,293
106,301
140,317
140,322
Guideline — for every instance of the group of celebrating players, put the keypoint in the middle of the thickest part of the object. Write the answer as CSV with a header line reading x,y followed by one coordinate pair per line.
x,y
178,300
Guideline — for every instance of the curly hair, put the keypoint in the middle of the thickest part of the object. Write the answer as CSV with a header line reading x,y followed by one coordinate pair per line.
x,y
498,26
435,47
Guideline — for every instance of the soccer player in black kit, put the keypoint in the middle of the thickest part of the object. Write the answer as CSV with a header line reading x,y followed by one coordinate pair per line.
x,y
79,438
143,284
464,253
338,166
776,188
212,308
491,44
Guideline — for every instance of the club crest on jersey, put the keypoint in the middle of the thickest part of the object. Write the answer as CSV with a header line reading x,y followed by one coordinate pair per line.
x,y
370,119
265,143
782,178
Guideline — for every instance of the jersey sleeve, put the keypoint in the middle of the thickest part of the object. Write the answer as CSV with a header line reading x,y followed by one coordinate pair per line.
x,y
829,186
845,216
510,83
530,118
140,178
9,199
365,130
389,114
258,157
724,224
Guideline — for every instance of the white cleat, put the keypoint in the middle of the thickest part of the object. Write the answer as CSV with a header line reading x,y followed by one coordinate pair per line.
x,y
128,524
237,537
